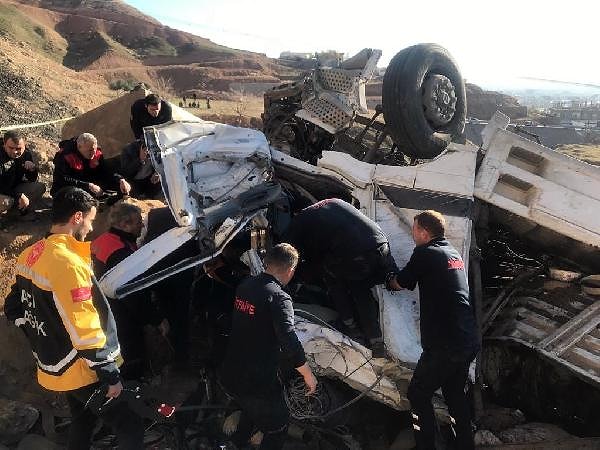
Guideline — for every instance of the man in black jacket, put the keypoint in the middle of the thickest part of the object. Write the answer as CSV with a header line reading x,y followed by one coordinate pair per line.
x,y
148,111
262,331
353,254
135,311
80,163
18,174
137,168
448,330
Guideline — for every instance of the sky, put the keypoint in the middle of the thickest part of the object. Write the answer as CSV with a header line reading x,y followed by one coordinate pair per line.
x,y
494,43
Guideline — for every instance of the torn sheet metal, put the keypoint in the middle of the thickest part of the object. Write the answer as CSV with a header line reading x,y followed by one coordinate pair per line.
x,y
206,164
332,96
334,355
545,187
562,324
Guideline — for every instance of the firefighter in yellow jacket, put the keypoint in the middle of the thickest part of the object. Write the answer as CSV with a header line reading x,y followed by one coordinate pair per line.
x,y
57,303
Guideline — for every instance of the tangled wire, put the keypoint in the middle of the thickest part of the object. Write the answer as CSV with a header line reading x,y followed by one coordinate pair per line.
x,y
302,406
318,406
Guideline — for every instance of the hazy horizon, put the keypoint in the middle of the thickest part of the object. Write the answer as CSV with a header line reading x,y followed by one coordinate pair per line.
x,y
492,46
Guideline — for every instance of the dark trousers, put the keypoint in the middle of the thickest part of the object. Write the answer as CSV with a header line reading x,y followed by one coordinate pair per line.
x,y
355,299
447,369
350,280
145,188
265,411
174,295
128,426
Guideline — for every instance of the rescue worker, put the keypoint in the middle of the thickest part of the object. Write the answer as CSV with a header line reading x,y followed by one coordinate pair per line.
x,y
448,330
262,330
354,255
80,163
57,303
135,311
18,174
148,111
137,168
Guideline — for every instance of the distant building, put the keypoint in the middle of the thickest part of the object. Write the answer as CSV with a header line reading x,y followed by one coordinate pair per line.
x,y
576,112
292,56
329,58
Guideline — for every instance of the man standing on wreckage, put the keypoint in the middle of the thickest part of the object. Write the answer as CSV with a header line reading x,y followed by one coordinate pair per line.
x,y
448,330
353,255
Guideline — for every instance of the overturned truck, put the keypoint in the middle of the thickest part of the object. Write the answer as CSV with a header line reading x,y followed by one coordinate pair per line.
x,y
223,182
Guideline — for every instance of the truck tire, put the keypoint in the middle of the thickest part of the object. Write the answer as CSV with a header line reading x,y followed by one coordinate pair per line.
x,y
424,100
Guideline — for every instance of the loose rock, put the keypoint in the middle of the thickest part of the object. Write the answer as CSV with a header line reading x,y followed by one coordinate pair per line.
x,y
16,419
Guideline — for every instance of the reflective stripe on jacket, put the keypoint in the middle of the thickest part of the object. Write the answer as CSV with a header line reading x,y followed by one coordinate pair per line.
x,y
67,320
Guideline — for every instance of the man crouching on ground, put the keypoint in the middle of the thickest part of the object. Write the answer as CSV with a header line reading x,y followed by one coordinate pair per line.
x,y
262,327
66,318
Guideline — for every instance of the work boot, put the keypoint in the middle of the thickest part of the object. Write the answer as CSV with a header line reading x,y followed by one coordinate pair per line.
x,y
351,329
378,349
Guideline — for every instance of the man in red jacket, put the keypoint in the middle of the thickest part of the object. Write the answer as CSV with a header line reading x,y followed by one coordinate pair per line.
x,y
135,311
80,163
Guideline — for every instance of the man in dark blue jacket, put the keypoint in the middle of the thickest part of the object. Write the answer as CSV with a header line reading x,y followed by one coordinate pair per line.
x,y
448,330
353,255
18,174
148,111
262,330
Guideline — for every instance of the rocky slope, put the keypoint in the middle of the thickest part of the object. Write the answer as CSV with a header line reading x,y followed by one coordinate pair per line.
x,y
124,46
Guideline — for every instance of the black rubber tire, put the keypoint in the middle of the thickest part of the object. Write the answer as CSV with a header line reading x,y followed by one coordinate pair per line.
x,y
403,106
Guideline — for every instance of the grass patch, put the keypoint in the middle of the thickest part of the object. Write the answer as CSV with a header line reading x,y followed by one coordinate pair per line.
x,y
16,26
151,46
125,85
191,47
589,153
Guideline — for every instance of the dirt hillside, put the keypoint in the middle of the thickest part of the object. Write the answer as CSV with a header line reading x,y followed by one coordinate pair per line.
x,y
124,46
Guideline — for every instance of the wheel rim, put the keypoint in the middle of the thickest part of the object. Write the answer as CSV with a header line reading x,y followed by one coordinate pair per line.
x,y
439,99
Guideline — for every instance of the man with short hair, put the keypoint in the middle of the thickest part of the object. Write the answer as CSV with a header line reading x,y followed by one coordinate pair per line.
x,y
262,331
57,303
18,174
135,311
79,162
137,168
353,255
148,111
448,330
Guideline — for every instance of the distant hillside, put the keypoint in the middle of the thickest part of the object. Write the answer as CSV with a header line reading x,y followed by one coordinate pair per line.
x,y
482,104
125,46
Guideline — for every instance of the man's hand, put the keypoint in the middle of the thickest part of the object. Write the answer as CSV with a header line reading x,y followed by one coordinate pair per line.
x,y
114,390
393,285
143,154
311,383
23,202
29,165
124,186
155,178
309,378
164,327
95,189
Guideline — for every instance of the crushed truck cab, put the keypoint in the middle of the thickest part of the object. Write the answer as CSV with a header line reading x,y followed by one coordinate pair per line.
x,y
220,181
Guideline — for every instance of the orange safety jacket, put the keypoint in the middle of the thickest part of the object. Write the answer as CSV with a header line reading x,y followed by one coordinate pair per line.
x,y
66,318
